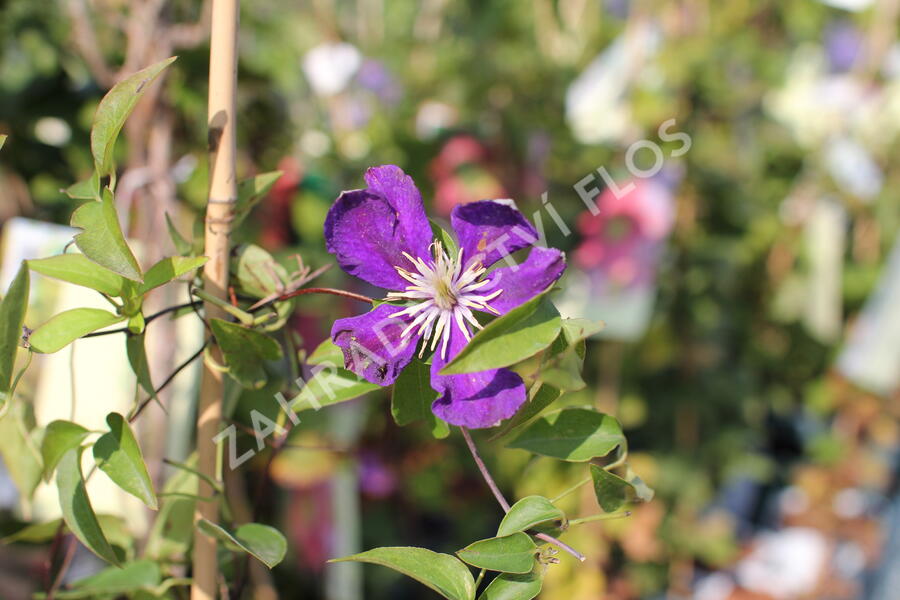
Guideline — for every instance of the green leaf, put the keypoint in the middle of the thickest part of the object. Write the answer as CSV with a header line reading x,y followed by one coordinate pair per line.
x,y
331,386
113,582
611,490
77,269
12,317
443,573
412,397
169,269
114,109
327,353
36,533
118,455
260,541
59,438
20,444
245,352
572,434
137,358
528,512
520,333
86,189
544,397
76,507
513,587
251,191
102,240
66,327
182,246
446,238
509,554
258,274
3,140
642,491
173,529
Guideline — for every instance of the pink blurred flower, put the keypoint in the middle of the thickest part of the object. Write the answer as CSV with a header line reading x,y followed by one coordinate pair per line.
x,y
462,174
623,241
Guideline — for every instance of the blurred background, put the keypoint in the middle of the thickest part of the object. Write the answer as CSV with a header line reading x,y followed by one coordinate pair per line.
x,y
744,257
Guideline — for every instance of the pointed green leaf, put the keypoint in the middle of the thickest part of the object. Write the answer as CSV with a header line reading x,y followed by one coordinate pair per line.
x,y
114,109
445,237
59,438
12,317
522,332
76,507
77,269
66,327
168,269
251,191
265,543
245,352
544,397
36,533
102,240
572,434
137,358
509,554
20,443
513,587
528,512
611,490
182,246
331,386
443,573
118,455
412,397
141,575
86,189
327,353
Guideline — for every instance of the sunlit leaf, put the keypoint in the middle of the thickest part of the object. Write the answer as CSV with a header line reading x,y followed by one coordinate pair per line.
x,y
258,274
528,512
59,438
331,386
76,507
20,443
86,189
443,573
12,317
265,543
513,587
119,456
509,554
77,269
182,246
517,335
327,353
114,109
66,327
169,269
544,397
572,434
102,240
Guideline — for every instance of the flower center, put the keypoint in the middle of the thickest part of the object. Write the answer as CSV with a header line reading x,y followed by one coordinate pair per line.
x,y
443,293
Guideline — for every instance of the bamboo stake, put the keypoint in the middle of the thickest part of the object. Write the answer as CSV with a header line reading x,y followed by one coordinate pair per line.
x,y
219,214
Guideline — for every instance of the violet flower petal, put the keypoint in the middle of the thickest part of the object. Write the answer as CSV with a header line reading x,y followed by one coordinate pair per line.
x,y
474,400
526,280
369,230
490,229
372,345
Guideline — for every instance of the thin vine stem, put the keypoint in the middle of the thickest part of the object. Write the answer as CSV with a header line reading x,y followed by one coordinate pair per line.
x,y
147,320
168,380
332,291
502,500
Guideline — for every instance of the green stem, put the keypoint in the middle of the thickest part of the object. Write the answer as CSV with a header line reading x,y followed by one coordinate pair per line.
x,y
602,517
480,577
244,317
570,490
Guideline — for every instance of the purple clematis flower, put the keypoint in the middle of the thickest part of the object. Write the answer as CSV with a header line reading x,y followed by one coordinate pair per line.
x,y
381,235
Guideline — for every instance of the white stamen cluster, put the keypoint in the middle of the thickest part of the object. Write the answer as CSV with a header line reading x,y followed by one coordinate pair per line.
x,y
445,293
